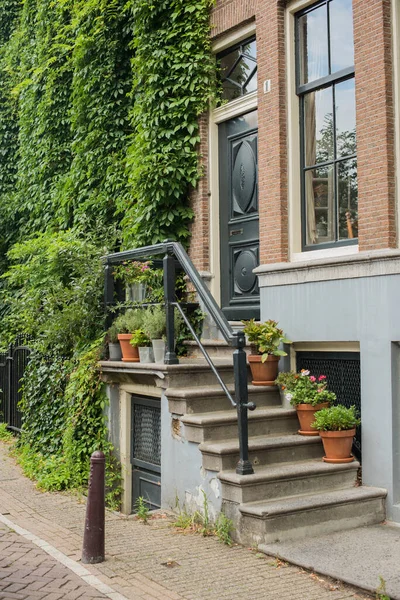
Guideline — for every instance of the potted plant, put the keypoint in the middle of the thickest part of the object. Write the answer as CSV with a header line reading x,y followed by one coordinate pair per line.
x,y
286,382
141,341
337,427
309,394
126,324
114,348
155,326
265,339
135,274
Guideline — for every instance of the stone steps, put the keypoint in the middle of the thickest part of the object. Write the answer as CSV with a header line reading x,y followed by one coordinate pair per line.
x,y
279,481
263,450
209,398
266,522
219,425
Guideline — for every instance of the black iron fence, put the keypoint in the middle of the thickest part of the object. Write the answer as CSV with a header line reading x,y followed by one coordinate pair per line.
x,y
12,368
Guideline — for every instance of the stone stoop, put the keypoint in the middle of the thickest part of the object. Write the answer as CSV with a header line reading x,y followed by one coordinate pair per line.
x,y
292,493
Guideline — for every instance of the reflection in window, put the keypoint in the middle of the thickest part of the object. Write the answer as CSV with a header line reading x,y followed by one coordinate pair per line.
x,y
327,99
238,69
325,40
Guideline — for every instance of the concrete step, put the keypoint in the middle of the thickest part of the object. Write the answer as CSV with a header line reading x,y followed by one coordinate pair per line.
x,y
220,425
215,349
266,522
208,398
280,481
263,450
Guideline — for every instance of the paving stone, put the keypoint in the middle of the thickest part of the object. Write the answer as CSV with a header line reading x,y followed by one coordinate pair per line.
x,y
136,556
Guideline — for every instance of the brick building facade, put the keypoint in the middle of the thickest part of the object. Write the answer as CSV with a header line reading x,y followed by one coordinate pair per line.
x,y
326,261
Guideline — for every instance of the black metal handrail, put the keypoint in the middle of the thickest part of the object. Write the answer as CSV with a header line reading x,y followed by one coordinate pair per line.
x,y
236,339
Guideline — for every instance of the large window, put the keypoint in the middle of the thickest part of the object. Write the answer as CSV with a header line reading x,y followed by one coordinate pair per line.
x,y
325,86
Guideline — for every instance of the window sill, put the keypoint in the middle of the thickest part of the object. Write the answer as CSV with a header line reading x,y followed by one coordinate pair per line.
x,y
326,253
330,267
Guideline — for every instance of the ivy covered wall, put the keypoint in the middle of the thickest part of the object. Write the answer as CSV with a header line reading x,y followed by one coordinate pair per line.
x,y
99,101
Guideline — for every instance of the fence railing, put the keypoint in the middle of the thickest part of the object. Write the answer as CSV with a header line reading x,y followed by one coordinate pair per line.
x,y
12,368
174,251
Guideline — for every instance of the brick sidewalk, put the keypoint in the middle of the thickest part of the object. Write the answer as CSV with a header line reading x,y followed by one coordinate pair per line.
x,y
29,573
147,562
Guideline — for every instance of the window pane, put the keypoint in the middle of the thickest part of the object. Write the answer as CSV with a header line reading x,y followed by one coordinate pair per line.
x,y
320,212
348,199
318,127
251,49
345,103
227,62
313,44
251,85
341,32
230,90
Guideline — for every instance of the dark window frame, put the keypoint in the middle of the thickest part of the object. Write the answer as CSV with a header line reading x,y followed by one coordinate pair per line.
x,y
254,71
327,81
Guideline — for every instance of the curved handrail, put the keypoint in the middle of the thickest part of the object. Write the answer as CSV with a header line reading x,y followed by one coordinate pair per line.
x,y
235,339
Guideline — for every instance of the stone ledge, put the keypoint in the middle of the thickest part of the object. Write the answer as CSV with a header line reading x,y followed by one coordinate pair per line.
x,y
364,264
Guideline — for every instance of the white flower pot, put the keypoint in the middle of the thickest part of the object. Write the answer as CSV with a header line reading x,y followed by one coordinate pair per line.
x,y
159,350
114,351
146,354
136,292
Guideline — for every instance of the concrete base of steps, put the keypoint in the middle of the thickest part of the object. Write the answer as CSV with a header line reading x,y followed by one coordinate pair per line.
x,y
263,450
220,425
299,517
215,348
280,481
208,398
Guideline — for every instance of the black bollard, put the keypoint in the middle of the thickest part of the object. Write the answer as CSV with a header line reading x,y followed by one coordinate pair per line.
x,y
93,537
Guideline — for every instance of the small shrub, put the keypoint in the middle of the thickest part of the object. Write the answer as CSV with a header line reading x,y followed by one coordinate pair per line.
x,y
5,434
336,418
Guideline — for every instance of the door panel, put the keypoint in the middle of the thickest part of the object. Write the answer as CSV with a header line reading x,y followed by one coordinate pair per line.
x,y
146,451
239,223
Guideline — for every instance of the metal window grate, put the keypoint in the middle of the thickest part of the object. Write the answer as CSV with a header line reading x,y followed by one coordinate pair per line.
x,y
147,433
342,370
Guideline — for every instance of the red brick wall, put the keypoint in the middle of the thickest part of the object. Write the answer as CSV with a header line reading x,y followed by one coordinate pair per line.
x,y
375,124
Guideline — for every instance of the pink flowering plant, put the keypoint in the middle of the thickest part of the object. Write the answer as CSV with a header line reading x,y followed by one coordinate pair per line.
x,y
308,389
134,271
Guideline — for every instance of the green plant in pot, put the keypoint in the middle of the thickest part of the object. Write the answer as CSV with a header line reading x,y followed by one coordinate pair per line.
x,y
309,394
127,323
142,342
136,276
265,340
155,325
114,348
337,427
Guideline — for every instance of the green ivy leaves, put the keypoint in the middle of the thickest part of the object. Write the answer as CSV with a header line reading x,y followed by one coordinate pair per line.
x,y
174,81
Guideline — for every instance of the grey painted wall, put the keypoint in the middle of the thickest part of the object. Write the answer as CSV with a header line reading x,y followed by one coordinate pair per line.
x,y
182,475
366,310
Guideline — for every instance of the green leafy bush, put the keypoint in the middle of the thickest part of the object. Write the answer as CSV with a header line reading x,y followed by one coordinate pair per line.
x,y
336,418
266,337
140,339
308,389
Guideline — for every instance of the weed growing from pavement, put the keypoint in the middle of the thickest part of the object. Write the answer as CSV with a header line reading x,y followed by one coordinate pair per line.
x,y
142,510
381,590
199,522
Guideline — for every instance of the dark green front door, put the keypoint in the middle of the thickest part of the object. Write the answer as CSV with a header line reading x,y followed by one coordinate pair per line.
x,y
239,223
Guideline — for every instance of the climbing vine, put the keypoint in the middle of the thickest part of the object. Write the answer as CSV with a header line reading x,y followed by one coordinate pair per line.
x,y
99,142
174,81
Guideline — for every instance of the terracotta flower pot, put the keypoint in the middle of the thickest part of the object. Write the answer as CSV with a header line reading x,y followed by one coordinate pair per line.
x,y
129,353
263,373
305,413
337,445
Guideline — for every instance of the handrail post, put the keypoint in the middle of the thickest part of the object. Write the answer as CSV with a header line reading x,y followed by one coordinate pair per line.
x,y
169,293
108,293
244,466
